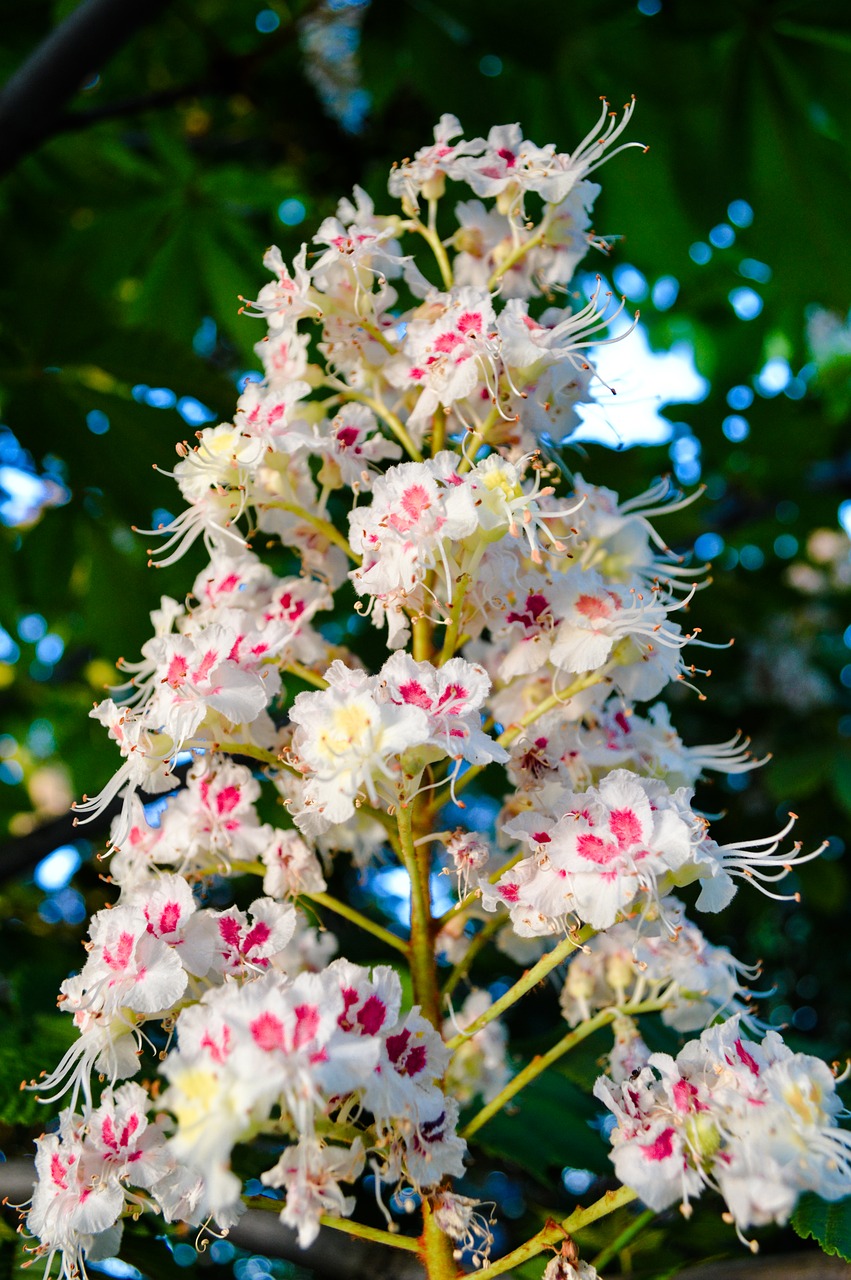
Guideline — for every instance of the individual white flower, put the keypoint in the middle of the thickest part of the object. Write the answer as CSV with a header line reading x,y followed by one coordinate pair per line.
x,y
615,845
290,297
148,761
72,1214
359,250
347,742
458,1217
417,510
563,1267
427,172
310,1174
284,356
449,352
129,967
291,867
199,676
511,165
451,697
268,414
349,445
469,854
246,946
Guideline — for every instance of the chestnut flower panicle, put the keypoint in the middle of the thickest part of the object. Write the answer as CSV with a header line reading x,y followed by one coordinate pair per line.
x,y
402,447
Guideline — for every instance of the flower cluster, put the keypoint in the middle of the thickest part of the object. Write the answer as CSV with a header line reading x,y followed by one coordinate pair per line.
x,y
321,1045
85,1172
754,1120
402,448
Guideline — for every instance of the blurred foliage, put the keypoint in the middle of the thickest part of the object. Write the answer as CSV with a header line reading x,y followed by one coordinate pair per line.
x,y
127,237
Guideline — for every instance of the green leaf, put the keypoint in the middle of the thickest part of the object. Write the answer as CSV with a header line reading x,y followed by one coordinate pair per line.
x,y
546,1127
798,774
159,305
839,40
828,1224
842,780
30,1047
227,268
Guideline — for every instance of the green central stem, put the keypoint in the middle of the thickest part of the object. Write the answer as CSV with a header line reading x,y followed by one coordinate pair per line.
x,y
421,947
435,1249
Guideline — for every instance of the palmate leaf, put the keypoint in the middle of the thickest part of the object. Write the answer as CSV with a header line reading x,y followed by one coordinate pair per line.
x,y
842,780
226,269
547,1127
828,1224
27,1045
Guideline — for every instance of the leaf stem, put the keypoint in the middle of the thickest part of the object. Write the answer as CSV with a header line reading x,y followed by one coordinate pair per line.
x,y
374,332
464,965
432,239
255,753
306,673
481,434
518,252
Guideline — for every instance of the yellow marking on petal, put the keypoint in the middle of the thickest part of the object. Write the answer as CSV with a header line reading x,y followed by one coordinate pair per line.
x,y
350,725
198,1092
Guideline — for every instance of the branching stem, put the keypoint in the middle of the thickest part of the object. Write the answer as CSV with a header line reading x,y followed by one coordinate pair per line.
x,y
322,526
530,979
356,917
464,965
306,673
540,1063
519,251
348,1225
423,968
554,1232
387,416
